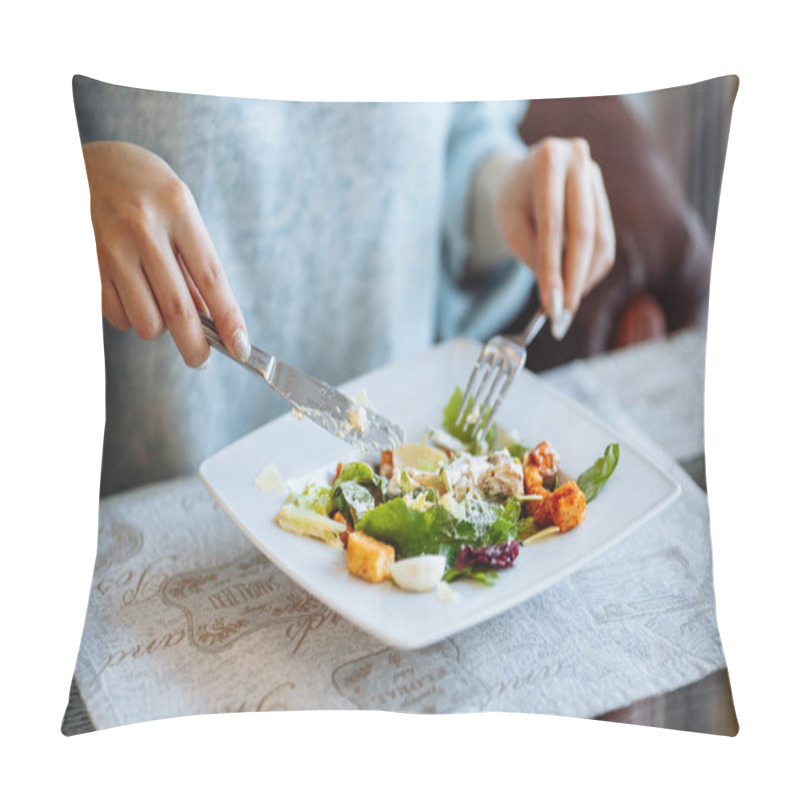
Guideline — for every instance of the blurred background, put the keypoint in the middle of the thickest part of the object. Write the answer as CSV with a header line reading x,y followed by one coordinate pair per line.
x,y
691,125
662,155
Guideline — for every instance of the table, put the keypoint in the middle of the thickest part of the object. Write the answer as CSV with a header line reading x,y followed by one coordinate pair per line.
x,y
667,404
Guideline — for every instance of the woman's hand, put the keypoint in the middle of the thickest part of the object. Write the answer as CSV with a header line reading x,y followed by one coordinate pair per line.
x,y
158,266
553,211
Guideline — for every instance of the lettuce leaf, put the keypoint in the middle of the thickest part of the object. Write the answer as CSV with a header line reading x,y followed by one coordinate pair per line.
x,y
436,530
592,480
356,490
364,475
414,533
352,499
489,523
505,527
467,433
315,497
487,576
517,450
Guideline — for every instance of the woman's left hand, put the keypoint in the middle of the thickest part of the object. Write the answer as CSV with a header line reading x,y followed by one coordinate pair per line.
x,y
553,211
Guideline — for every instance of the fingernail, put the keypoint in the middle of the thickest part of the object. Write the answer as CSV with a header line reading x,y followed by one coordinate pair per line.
x,y
204,365
241,345
556,303
560,319
560,325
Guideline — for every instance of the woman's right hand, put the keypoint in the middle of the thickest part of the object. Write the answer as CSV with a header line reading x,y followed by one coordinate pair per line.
x,y
158,266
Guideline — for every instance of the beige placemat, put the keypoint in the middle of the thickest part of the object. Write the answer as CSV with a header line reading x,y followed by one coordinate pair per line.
x,y
186,617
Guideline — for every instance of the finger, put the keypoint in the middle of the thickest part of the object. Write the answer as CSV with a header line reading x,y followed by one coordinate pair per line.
x,y
113,309
605,242
199,303
191,239
520,235
548,214
174,300
137,298
580,227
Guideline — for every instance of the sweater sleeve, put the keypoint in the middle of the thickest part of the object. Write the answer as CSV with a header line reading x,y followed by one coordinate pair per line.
x,y
477,303
96,105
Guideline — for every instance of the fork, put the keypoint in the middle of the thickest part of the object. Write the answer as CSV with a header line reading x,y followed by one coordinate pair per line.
x,y
500,361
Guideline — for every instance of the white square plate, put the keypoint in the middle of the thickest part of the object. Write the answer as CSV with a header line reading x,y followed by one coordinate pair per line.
x,y
413,394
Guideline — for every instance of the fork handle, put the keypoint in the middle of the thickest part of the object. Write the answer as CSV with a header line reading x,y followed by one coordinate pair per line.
x,y
534,326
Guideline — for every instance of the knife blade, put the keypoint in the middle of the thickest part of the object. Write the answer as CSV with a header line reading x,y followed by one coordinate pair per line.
x,y
327,407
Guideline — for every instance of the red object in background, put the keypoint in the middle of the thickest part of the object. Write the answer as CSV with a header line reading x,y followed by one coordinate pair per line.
x,y
642,319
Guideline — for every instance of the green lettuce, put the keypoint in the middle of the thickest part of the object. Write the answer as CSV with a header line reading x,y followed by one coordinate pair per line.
x,y
517,450
487,576
489,523
591,481
357,490
507,524
315,497
464,434
352,499
436,531
361,473
414,533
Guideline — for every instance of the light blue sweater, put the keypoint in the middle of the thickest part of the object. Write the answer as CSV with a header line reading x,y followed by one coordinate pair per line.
x,y
343,230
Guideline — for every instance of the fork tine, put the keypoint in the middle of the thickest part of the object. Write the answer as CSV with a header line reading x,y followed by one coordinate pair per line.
x,y
492,399
479,363
490,395
507,353
492,362
487,360
487,423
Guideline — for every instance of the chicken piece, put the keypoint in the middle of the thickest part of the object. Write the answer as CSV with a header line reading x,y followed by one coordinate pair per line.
x,y
502,476
463,475
546,460
426,480
368,558
565,507
533,484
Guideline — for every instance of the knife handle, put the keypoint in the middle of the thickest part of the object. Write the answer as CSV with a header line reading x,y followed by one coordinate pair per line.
x,y
259,362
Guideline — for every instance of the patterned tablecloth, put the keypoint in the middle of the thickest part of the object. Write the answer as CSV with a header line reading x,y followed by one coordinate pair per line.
x,y
186,617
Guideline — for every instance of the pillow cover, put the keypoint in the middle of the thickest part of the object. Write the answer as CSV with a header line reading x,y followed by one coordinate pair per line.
x,y
344,231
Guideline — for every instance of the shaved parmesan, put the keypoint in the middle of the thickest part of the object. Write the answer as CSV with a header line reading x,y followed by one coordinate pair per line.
x,y
269,479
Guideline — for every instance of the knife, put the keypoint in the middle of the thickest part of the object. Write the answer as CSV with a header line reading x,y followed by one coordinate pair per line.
x,y
329,408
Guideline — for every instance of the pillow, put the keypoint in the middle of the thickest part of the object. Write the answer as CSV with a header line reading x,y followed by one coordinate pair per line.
x,y
345,233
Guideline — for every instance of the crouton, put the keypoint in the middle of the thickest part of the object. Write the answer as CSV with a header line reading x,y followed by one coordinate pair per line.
x,y
546,460
368,558
565,507
532,481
